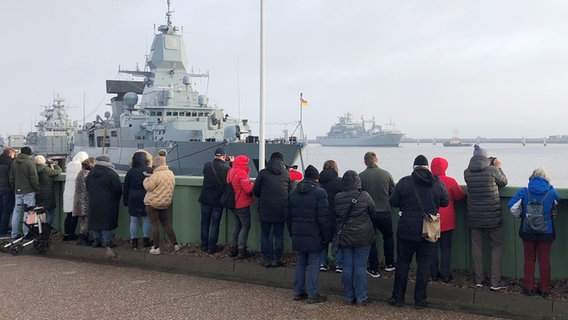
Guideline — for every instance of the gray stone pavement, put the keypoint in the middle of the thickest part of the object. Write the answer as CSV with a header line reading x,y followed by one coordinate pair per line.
x,y
44,287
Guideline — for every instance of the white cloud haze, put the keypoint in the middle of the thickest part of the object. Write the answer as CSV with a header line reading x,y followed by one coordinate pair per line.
x,y
483,68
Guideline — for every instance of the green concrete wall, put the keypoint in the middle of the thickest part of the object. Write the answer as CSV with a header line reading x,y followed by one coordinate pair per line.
x,y
185,216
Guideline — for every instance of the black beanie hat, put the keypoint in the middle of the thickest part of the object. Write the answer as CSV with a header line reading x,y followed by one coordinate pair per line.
x,y
277,155
26,150
421,161
311,173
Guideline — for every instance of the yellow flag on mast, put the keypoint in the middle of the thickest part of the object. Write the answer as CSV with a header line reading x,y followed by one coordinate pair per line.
x,y
304,102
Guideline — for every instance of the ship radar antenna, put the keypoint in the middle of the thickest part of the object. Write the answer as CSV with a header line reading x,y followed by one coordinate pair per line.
x,y
169,14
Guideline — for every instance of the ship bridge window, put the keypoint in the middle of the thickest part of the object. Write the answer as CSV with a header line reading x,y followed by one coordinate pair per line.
x,y
201,114
181,114
207,114
159,113
152,113
113,134
100,140
194,114
169,113
175,113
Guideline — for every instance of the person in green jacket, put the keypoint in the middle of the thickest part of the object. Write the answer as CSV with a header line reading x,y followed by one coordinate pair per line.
x,y
380,185
25,182
45,198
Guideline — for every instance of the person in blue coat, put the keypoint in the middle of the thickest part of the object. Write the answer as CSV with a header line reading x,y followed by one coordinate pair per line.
x,y
536,245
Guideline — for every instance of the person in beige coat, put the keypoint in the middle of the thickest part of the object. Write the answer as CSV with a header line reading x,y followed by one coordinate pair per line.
x,y
159,187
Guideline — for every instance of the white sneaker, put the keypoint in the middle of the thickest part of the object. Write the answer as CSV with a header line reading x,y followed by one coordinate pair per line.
x,y
155,250
110,253
177,247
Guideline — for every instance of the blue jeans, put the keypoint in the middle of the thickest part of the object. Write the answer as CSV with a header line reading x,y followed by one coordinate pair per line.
x,y
6,209
20,199
310,261
210,220
241,228
272,240
50,216
146,226
354,274
106,236
338,259
323,255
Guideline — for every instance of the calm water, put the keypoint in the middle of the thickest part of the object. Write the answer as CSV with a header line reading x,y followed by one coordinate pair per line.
x,y
518,162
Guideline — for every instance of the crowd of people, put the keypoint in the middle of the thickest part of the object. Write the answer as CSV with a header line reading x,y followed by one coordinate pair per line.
x,y
355,207
319,210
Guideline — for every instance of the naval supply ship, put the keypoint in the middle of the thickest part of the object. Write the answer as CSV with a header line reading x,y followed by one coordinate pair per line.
x,y
348,132
163,111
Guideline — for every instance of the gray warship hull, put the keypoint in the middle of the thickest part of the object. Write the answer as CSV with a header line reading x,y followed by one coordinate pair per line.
x,y
188,158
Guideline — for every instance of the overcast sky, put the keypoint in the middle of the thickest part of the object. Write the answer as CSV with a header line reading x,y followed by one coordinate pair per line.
x,y
434,68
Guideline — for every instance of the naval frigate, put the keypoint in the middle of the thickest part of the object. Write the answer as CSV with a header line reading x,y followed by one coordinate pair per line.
x,y
54,133
172,115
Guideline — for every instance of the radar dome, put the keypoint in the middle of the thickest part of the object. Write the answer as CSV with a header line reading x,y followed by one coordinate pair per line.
x,y
131,99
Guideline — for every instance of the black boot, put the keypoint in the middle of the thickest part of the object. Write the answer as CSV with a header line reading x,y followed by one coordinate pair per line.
x,y
147,242
265,262
83,240
134,243
276,263
243,253
233,251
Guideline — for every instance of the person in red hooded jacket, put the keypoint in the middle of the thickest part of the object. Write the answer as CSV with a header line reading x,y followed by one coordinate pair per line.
x,y
238,177
447,223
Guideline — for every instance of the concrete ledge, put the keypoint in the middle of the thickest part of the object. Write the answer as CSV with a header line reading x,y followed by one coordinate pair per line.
x,y
440,296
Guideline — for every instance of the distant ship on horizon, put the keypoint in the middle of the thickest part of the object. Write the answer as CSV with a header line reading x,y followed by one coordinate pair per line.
x,y
552,139
456,142
350,133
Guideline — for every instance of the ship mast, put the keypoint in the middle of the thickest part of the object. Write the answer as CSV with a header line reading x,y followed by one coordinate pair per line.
x,y
169,15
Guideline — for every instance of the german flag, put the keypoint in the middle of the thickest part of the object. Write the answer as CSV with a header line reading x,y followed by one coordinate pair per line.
x,y
304,102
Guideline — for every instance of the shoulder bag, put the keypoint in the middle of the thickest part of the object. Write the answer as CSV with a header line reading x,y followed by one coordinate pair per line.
x,y
431,222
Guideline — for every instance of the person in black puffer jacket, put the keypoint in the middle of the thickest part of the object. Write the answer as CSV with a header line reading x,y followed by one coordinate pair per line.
x,y
355,211
271,187
214,181
483,178
308,223
133,197
104,190
331,183
433,194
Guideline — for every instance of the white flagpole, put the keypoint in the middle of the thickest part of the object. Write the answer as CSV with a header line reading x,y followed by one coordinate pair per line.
x,y
261,148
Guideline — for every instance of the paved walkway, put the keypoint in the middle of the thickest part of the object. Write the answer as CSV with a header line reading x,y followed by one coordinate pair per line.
x,y
40,287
